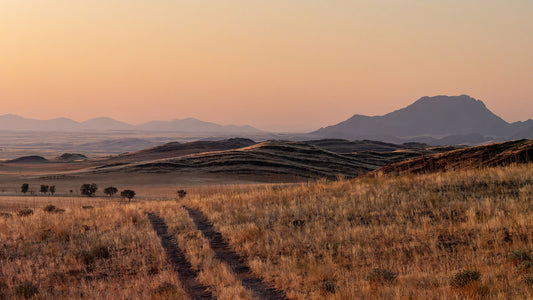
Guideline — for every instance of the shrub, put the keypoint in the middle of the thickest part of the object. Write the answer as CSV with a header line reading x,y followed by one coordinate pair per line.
x,y
464,278
98,251
3,288
44,188
328,286
127,194
88,189
110,191
49,208
525,267
24,188
25,212
26,289
381,276
181,194
528,279
5,215
165,290
519,256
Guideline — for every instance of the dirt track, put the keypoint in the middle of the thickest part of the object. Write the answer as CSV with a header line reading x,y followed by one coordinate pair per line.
x,y
187,275
223,252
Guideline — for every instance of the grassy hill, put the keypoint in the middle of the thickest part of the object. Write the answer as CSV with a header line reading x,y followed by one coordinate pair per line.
x,y
493,155
454,235
272,161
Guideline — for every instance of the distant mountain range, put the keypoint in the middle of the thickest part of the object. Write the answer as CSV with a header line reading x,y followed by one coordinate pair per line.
x,y
439,120
433,120
14,122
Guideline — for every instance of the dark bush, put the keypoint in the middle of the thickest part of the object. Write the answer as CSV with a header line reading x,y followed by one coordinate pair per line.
x,y
44,188
100,251
88,189
96,252
110,191
528,279
25,212
525,267
5,215
3,289
26,290
381,276
328,286
464,278
165,290
24,188
182,194
49,208
519,256
127,194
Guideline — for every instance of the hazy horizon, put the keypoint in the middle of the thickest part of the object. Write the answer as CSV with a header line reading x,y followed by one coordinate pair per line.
x,y
278,65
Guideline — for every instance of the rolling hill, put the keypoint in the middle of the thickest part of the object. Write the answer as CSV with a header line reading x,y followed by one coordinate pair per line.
x,y
268,161
493,155
176,149
32,159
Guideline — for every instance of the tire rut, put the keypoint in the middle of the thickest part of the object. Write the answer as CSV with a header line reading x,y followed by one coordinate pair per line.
x,y
175,255
223,251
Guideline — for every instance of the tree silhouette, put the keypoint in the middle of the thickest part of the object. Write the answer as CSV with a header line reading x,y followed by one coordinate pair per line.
x,y
127,194
88,189
182,194
44,189
110,191
24,188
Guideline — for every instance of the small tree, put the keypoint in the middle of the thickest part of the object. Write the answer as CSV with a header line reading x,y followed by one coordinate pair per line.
x,y
110,191
24,188
182,194
88,189
127,194
52,189
44,189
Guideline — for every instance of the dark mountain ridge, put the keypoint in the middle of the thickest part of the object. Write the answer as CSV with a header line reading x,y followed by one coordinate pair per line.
x,y
434,117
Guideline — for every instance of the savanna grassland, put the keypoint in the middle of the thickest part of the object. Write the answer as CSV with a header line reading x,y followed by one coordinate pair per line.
x,y
461,234
100,252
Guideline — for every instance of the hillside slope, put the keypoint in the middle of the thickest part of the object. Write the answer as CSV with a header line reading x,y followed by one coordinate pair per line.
x,y
176,149
268,159
499,154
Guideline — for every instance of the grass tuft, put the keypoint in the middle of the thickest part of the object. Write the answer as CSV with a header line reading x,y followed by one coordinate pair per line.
x,y
464,278
381,276
26,289
25,212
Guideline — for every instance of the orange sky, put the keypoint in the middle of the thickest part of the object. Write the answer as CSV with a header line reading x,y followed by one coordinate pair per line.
x,y
276,64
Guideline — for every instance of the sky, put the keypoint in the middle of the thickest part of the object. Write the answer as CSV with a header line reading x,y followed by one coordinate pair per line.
x,y
274,64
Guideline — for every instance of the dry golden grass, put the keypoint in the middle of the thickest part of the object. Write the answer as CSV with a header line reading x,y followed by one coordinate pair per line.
x,y
108,252
404,237
211,272
324,240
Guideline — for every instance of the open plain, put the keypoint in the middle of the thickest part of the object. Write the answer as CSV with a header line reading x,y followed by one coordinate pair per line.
x,y
390,232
